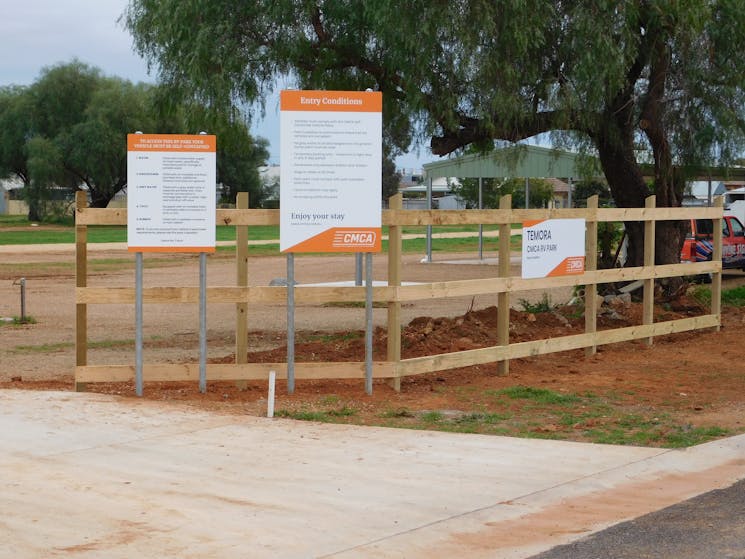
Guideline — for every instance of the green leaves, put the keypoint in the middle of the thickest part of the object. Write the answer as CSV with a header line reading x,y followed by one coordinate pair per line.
x,y
68,131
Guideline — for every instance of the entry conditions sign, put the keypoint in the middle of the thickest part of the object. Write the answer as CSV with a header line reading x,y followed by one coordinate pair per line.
x,y
171,192
553,247
330,179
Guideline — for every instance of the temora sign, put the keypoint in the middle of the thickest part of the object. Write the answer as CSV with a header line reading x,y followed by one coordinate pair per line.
x,y
553,247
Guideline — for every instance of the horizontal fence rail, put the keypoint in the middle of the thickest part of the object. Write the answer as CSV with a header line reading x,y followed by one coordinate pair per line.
x,y
394,294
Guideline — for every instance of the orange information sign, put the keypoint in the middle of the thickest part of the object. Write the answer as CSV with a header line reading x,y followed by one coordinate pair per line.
x,y
330,183
171,192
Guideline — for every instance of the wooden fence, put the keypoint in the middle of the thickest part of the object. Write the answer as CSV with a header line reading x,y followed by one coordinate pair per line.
x,y
394,368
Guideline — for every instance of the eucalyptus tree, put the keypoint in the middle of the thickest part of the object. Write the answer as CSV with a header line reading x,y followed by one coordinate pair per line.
x,y
68,131
239,155
15,128
79,121
635,82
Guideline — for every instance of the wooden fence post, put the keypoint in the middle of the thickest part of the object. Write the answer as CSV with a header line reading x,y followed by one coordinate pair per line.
x,y
503,298
394,278
241,273
591,264
81,280
716,277
649,239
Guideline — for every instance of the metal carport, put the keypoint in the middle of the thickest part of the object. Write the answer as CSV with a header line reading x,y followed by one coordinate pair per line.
x,y
520,161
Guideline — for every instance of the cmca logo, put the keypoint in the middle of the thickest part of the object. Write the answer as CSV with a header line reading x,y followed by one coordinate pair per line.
x,y
354,239
575,265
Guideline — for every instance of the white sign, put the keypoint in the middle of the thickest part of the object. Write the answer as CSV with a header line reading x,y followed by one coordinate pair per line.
x,y
330,179
554,247
171,192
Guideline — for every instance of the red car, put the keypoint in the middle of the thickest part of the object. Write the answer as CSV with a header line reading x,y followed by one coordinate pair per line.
x,y
698,245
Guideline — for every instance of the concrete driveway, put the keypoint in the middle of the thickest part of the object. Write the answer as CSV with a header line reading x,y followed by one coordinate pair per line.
x,y
87,475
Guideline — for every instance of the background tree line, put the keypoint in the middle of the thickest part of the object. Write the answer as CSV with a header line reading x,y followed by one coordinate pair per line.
x,y
67,132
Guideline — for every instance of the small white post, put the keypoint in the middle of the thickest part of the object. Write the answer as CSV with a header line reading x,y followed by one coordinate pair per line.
x,y
270,399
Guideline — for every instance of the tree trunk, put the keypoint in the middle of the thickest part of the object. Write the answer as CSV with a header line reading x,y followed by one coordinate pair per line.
x,y
627,186
99,199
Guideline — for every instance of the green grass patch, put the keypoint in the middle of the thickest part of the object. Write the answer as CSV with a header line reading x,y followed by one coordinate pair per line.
x,y
118,234
432,417
460,244
18,321
100,344
110,234
638,430
344,411
14,221
685,436
335,337
541,306
734,297
304,415
333,415
42,348
543,414
538,395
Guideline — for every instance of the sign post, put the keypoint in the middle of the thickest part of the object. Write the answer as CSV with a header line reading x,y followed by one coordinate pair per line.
x,y
171,202
330,183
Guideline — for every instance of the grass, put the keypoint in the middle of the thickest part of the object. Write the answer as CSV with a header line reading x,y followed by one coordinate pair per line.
x,y
635,431
42,348
18,321
111,234
118,234
528,412
14,221
37,269
544,305
538,395
333,415
100,344
734,297
336,337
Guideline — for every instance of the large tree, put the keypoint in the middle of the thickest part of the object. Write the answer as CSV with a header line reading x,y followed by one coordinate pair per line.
x,y
79,120
15,127
636,81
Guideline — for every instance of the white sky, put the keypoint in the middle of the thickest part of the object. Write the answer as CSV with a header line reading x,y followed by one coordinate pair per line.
x,y
39,33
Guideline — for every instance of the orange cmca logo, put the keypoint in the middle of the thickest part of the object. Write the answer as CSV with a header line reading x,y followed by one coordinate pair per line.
x,y
348,239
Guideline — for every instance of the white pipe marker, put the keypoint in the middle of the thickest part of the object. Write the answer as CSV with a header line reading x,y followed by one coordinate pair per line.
x,y
270,402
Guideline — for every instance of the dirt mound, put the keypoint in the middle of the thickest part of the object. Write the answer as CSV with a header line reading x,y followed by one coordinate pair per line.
x,y
473,330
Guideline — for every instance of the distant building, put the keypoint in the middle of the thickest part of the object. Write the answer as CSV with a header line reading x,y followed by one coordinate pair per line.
x,y
269,176
414,190
697,193
11,202
4,198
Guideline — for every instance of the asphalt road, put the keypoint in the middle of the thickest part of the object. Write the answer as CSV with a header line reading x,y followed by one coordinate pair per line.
x,y
710,526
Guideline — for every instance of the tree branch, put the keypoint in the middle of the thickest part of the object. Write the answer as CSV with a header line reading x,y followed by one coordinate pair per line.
x,y
472,130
